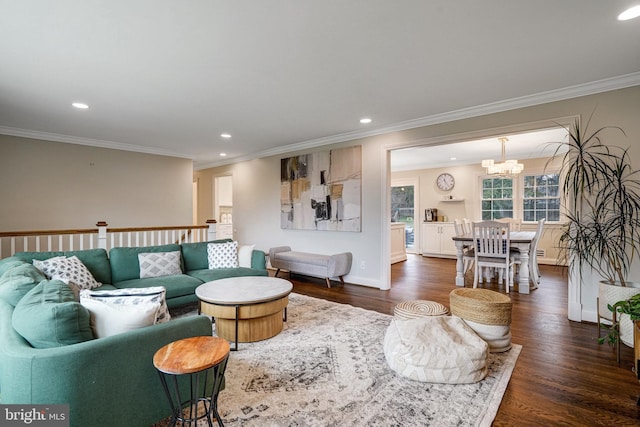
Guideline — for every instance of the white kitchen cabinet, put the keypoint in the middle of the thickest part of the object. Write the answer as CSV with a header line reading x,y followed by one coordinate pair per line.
x,y
398,242
437,239
224,231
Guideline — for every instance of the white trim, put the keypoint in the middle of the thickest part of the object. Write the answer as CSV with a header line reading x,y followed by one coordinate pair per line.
x,y
56,137
605,85
414,182
385,254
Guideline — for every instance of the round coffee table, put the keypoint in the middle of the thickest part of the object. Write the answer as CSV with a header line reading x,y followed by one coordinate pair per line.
x,y
246,309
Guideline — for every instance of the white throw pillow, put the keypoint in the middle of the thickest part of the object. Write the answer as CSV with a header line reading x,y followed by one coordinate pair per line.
x,y
133,297
158,264
112,319
222,255
244,255
69,270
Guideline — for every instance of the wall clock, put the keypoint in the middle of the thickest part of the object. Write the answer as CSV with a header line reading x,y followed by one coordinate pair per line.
x,y
445,182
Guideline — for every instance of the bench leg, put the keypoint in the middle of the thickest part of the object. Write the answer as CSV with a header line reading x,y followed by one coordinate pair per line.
x,y
328,282
342,280
277,271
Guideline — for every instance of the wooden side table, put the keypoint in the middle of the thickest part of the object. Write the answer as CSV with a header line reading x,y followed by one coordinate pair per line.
x,y
204,360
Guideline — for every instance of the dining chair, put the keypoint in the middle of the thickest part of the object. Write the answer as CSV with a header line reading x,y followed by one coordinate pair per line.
x,y
491,243
468,254
516,224
534,270
467,225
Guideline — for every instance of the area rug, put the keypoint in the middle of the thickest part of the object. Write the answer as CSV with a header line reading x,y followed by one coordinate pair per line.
x,y
327,368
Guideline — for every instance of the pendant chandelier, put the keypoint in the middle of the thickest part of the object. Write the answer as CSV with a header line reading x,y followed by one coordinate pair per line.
x,y
505,167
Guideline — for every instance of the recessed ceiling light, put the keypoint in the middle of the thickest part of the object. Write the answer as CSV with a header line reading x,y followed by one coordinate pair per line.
x,y
632,12
365,120
223,154
225,135
80,105
452,158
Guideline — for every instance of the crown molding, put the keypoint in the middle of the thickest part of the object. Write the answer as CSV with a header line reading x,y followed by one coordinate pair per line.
x,y
599,86
56,137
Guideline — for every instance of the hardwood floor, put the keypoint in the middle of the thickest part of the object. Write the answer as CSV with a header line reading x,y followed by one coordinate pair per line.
x,y
562,377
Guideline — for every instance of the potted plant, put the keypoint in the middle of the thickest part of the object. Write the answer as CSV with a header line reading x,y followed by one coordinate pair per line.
x,y
602,199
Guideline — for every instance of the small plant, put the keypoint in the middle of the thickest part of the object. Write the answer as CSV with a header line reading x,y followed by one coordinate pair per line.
x,y
629,306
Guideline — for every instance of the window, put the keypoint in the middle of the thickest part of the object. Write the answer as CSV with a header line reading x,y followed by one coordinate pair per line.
x,y
497,198
541,197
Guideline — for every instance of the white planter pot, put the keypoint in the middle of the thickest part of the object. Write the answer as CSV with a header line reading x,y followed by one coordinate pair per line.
x,y
610,293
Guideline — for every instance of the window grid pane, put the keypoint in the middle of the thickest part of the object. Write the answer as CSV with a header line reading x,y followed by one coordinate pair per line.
x,y
497,198
541,197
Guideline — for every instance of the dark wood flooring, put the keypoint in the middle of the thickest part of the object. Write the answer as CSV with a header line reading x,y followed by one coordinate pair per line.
x,y
562,377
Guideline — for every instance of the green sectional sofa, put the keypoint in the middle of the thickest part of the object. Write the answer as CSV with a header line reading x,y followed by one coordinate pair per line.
x,y
107,381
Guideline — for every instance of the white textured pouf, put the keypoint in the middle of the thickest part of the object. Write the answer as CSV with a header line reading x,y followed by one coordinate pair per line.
x,y
437,349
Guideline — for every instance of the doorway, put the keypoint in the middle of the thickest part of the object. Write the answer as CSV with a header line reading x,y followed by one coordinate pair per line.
x,y
404,209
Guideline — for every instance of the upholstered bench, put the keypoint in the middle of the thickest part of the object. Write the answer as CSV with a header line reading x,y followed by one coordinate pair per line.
x,y
310,264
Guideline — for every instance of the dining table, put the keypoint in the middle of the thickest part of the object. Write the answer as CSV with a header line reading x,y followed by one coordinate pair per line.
x,y
520,240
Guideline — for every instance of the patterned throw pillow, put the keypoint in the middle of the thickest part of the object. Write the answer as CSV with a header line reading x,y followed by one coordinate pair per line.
x,y
69,270
158,264
222,255
132,296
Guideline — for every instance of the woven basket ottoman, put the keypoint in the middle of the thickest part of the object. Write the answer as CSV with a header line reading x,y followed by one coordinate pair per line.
x,y
487,312
419,308
436,349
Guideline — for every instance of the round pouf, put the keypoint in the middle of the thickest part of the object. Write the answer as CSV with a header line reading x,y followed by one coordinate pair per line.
x,y
487,312
437,349
419,308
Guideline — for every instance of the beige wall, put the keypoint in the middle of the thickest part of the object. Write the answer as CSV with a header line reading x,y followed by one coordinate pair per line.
x,y
52,185
258,183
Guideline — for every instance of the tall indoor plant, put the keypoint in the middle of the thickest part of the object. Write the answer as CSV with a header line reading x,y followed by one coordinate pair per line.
x,y
601,193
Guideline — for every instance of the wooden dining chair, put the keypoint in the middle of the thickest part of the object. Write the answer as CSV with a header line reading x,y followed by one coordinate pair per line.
x,y
468,254
491,243
534,270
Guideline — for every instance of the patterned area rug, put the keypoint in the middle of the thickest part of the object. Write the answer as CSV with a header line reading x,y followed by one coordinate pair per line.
x,y
327,368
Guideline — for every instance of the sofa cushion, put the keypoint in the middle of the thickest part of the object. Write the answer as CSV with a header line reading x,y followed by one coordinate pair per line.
x,y
7,263
17,281
195,254
112,319
125,264
207,275
222,255
158,264
131,297
175,285
48,316
96,261
245,254
68,269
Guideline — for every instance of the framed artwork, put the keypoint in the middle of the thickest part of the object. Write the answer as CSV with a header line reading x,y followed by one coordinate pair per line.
x,y
322,191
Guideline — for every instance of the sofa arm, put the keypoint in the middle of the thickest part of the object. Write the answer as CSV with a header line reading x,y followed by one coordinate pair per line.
x,y
258,260
106,382
339,264
278,249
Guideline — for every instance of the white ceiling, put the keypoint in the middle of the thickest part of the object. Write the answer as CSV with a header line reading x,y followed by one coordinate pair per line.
x,y
521,146
168,77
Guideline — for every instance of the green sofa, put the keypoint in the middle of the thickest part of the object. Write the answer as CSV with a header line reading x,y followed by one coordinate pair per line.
x,y
108,381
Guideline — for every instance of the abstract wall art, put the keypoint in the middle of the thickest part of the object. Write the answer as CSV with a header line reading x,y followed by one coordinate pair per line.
x,y
322,191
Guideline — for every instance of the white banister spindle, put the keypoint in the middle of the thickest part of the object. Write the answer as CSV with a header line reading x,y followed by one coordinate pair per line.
x,y
102,235
211,234
13,246
37,243
59,242
70,243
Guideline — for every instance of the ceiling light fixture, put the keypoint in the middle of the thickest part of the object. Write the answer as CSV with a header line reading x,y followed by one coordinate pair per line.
x,y
632,12
223,154
505,167
225,135
80,105
365,120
